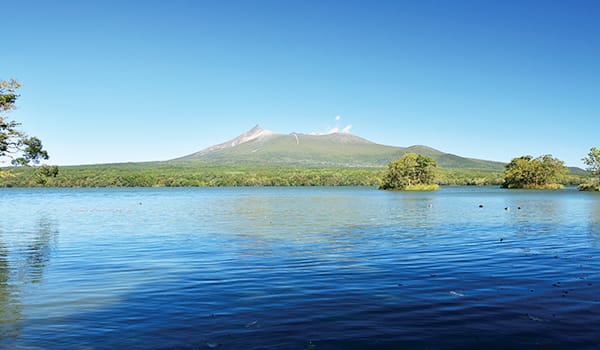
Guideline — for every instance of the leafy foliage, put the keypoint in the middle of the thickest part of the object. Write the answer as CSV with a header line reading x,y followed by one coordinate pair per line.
x,y
544,172
48,171
15,144
410,170
593,162
593,185
44,173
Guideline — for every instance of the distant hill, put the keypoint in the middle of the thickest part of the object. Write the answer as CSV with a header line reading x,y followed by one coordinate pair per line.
x,y
260,146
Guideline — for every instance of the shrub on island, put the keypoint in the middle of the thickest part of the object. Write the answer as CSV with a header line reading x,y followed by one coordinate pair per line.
x,y
412,172
526,172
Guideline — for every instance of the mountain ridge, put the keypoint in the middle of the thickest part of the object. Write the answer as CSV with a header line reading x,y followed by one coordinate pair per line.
x,y
260,146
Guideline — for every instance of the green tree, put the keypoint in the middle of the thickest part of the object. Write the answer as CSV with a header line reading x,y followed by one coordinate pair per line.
x,y
411,172
593,166
44,173
593,161
544,172
15,145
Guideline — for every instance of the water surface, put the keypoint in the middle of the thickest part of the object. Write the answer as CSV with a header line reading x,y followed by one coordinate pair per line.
x,y
299,268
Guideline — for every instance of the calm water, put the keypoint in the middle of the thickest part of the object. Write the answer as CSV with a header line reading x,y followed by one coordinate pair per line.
x,y
298,268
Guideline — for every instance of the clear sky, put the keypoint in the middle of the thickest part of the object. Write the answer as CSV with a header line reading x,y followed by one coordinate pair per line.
x,y
116,81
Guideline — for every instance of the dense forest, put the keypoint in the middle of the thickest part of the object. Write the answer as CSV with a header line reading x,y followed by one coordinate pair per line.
x,y
163,174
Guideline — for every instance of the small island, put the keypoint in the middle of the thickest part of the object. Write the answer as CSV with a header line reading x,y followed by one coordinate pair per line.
x,y
541,173
412,172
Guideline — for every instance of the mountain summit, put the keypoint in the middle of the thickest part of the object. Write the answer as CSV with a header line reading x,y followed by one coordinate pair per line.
x,y
263,147
255,133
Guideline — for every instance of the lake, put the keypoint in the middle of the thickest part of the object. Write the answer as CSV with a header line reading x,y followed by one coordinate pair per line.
x,y
299,268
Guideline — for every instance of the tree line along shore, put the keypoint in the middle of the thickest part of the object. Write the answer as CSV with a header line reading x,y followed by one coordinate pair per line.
x,y
197,175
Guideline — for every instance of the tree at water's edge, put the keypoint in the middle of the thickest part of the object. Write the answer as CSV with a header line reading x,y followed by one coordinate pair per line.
x,y
411,172
593,162
15,145
544,172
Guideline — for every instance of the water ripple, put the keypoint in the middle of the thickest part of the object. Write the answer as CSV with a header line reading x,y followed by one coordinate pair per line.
x,y
310,268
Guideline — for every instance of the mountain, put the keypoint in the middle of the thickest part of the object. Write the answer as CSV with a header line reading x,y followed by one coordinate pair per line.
x,y
252,134
264,147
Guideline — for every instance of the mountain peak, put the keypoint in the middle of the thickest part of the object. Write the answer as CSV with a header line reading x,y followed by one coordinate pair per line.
x,y
256,128
252,134
249,135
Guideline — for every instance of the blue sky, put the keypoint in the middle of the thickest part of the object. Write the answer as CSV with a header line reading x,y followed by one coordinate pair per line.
x,y
116,81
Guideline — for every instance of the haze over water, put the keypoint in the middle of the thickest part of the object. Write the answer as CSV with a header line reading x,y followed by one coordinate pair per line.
x,y
298,268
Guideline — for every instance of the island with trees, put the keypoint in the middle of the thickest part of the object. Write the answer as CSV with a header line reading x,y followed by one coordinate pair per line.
x,y
526,172
412,172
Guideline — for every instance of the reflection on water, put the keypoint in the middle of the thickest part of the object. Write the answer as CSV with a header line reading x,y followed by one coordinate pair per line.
x,y
24,265
300,268
10,307
38,251
594,220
